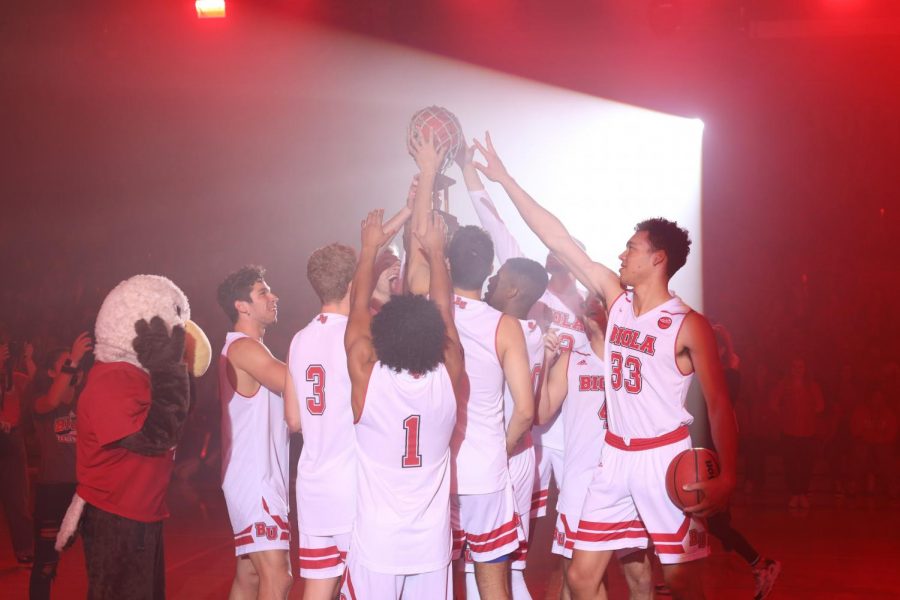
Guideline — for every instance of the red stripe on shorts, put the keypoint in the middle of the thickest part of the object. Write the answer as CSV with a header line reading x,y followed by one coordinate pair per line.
x,y
243,541
497,543
317,552
322,563
484,537
636,444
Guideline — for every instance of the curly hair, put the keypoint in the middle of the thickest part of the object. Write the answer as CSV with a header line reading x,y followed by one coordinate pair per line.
x,y
237,286
330,270
409,334
667,236
471,256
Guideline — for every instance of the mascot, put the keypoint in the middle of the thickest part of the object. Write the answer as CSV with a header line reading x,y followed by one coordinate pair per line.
x,y
130,416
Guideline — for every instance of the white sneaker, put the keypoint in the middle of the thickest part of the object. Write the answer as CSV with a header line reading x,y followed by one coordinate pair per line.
x,y
765,574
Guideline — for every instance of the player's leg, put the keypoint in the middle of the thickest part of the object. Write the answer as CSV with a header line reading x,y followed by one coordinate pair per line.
x,y
585,572
492,579
246,580
322,563
522,473
493,533
274,568
563,541
638,574
685,579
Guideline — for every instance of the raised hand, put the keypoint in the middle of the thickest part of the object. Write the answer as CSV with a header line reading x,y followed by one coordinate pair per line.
x,y
427,156
81,346
493,167
156,348
373,234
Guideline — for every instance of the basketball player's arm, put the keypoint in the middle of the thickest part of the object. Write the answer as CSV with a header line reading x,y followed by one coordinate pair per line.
x,y
555,385
440,291
514,359
505,244
428,159
291,404
697,339
594,276
254,358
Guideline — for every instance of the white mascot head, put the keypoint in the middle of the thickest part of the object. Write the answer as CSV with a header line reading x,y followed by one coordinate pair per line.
x,y
145,297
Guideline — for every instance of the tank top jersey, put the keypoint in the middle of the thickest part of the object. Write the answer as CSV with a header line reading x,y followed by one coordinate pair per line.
x,y
645,391
534,344
572,336
326,470
584,417
403,472
479,441
254,440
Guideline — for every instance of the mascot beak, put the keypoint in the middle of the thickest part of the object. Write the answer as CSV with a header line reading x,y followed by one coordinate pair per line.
x,y
197,349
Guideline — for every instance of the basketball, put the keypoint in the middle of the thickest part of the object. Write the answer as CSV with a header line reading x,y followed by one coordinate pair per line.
x,y
690,466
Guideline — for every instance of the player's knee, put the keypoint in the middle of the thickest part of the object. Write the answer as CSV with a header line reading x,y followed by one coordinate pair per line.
x,y
682,582
582,579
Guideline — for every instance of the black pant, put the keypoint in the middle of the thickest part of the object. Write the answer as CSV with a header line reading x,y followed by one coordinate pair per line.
x,y
798,463
14,491
50,503
124,558
720,526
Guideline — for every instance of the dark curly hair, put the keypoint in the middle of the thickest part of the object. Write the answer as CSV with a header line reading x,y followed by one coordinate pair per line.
x,y
409,334
237,286
471,256
667,236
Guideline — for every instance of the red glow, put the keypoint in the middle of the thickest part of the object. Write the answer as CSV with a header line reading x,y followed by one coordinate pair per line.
x,y
210,9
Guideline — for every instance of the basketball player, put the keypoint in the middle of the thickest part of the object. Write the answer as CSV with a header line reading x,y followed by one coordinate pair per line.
x,y
513,290
254,439
317,401
561,304
574,389
406,368
654,346
483,505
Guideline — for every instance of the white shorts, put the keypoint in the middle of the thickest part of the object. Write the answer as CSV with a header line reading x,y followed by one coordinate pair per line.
x,y
564,536
257,528
627,502
322,556
549,461
523,475
362,584
487,524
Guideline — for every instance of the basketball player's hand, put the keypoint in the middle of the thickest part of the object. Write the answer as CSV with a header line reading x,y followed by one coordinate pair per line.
x,y
716,493
156,348
81,346
427,156
551,347
434,238
373,234
493,167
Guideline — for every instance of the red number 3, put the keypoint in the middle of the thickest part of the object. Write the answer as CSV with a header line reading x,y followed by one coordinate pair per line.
x,y
315,404
633,382
412,458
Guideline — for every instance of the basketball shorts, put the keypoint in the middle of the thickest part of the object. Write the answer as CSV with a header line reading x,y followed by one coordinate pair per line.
x,y
362,584
549,461
322,556
523,475
627,502
564,539
258,525
485,524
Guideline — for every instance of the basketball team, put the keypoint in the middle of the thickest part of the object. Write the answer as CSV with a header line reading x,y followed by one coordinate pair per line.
x,y
434,410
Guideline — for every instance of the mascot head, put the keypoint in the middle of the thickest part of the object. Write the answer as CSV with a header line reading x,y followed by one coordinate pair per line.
x,y
145,297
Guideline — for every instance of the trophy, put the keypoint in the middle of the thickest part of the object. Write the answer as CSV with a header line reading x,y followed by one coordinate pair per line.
x,y
447,134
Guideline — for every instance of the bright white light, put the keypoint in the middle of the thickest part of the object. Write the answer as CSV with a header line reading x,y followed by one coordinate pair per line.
x,y
210,9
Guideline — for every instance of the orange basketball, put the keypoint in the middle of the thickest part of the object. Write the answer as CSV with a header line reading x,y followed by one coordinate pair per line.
x,y
690,466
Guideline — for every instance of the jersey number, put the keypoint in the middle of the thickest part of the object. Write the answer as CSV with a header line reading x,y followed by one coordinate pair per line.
x,y
411,458
566,341
315,404
632,379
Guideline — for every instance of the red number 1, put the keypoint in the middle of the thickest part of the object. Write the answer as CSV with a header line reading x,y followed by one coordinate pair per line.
x,y
412,458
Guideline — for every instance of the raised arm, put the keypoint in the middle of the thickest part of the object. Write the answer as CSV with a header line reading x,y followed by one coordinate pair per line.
x,y
594,276
514,359
697,339
427,158
361,355
554,384
60,389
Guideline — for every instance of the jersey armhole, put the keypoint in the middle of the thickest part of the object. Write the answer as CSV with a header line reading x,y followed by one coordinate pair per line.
x,y
675,349
497,340
365,393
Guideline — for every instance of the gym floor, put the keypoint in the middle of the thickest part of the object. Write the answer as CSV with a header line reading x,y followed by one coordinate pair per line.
x,y
847,550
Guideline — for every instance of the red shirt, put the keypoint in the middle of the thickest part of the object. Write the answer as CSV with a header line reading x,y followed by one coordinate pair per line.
x,y
112,406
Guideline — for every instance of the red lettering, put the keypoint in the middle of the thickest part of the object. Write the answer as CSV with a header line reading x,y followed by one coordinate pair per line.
x,y
649,345
584,383
260,529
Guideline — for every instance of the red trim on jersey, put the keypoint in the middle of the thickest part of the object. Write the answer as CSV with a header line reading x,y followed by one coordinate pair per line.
x,y
648,443
675,349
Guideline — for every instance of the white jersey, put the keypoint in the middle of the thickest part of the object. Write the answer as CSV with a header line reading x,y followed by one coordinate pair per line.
x,y
584,416
534,344
645,389
326,470
571,336
479,441
403,472
254,441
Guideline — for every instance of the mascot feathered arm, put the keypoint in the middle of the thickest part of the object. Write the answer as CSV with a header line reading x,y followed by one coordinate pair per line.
x,y
162,355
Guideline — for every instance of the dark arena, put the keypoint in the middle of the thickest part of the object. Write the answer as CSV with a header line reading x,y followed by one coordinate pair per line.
x,y
450,299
